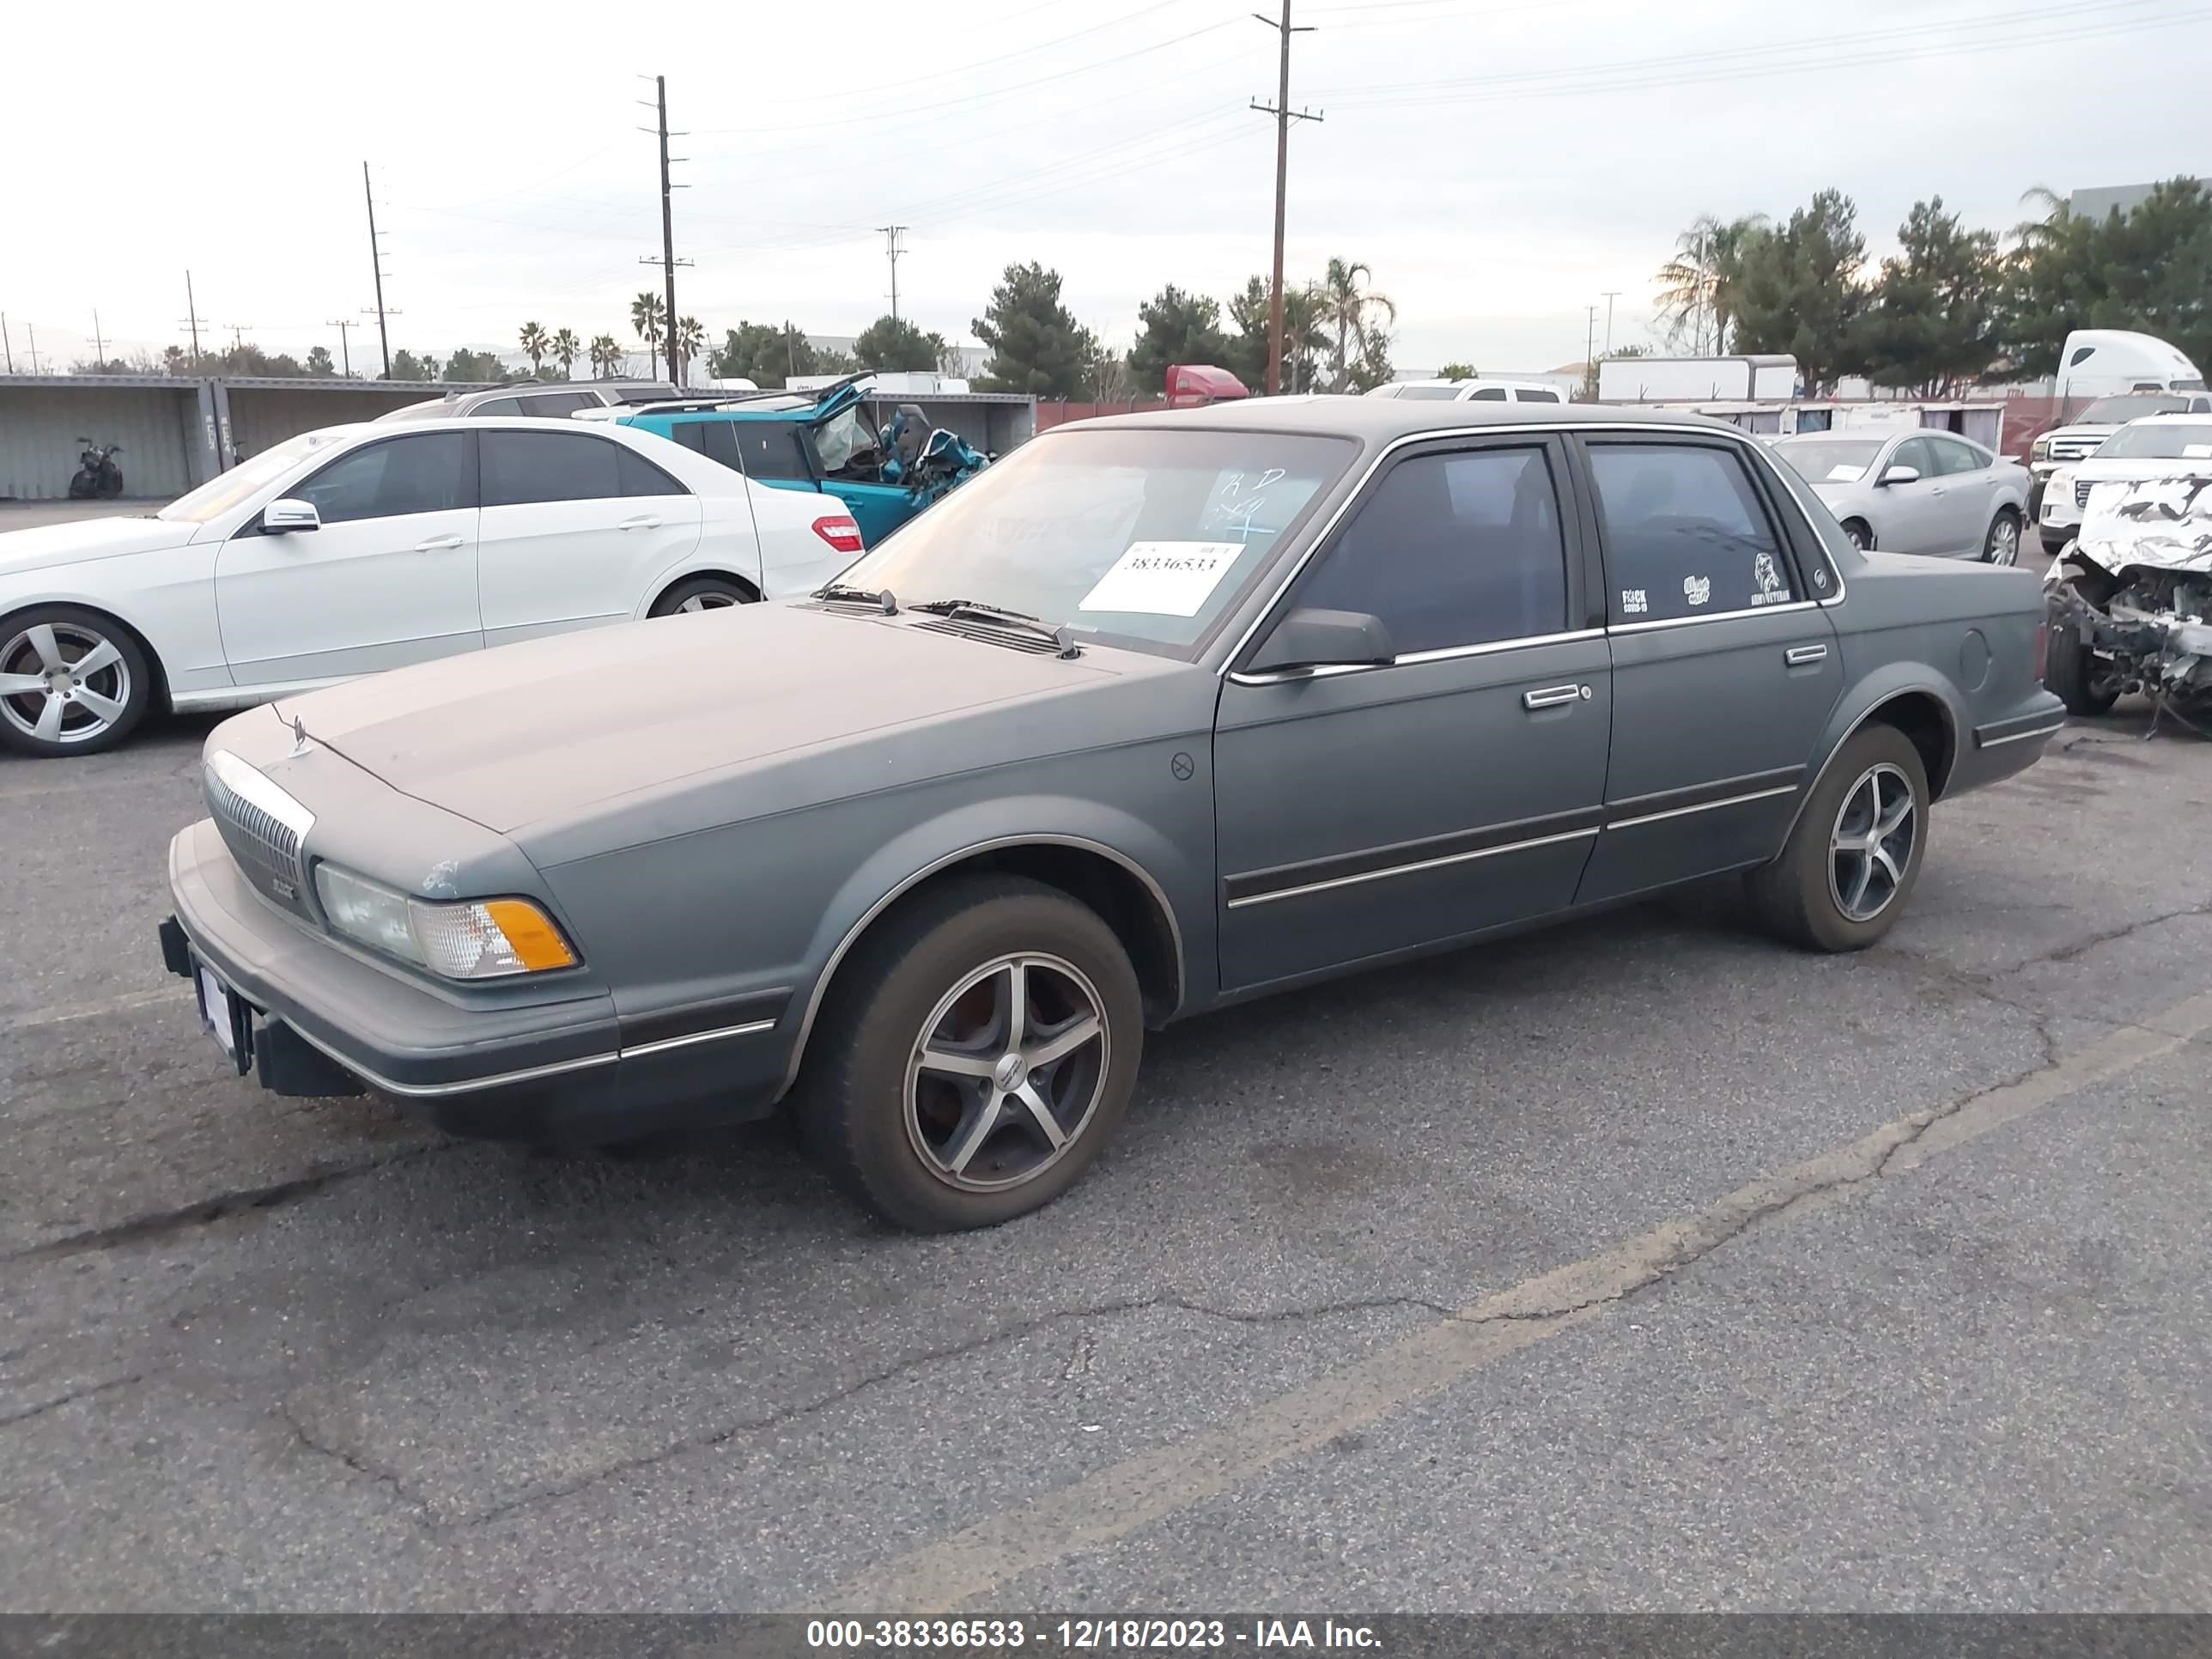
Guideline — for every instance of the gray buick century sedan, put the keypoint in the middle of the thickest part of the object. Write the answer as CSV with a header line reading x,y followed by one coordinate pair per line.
x,y
1161,713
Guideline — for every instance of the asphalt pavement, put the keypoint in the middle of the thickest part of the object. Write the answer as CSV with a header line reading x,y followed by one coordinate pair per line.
x,y
1642,1264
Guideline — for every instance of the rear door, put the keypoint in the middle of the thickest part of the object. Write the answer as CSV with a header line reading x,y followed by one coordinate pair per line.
x,y
1969,489
574,526
389,579
1361,811
1724,670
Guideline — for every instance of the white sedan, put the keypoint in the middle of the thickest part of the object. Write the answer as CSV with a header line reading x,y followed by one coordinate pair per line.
x,y
362,548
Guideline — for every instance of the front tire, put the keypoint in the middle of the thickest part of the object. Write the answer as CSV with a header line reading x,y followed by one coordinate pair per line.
x,y
2001,545
1850,864
973,1055
1855,532
702,593
71,682
2069,670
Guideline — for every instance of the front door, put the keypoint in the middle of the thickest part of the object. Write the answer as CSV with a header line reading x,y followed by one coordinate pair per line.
x,y
1366,811
1724,670
575,527
389,579
1931,514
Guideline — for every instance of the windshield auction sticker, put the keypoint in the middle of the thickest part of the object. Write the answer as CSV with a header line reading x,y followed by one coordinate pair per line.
x,y
1162,579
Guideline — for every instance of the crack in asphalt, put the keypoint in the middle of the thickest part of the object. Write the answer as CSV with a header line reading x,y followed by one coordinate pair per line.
x,y
916,1363
71,1398
158,1223
2082,947
351,1461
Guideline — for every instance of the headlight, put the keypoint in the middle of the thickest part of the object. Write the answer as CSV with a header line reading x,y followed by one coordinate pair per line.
x,y
490,938
2039,450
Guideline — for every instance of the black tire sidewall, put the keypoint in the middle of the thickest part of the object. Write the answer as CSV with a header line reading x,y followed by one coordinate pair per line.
x,y
853,1115
1859,536
672,601
1794,889
2066,669
141,680
1990,536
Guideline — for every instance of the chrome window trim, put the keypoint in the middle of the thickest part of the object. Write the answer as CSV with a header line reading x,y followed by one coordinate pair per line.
x,y
1658,622
1447,653
1707,806
1412,868
1447,435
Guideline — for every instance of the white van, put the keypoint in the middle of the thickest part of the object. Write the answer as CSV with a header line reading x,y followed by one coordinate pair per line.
x,y
2100,363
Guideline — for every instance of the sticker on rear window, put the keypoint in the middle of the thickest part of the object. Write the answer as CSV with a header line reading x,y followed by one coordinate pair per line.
x,y
1162,579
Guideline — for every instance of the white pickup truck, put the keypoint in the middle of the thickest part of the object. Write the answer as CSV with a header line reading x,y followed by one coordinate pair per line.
x,y
2129,375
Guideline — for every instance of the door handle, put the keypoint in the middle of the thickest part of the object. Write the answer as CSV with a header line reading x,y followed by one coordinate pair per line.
x,y
439,544
643,521
1552,695
1798,656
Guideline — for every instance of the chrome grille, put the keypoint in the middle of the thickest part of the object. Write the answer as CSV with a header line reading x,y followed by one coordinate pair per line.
x,y
261,825
2073,449
2081,492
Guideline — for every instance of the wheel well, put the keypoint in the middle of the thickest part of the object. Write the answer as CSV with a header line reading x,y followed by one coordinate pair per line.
x,y
1123,899
1866,530
744,583
160,701
1921,717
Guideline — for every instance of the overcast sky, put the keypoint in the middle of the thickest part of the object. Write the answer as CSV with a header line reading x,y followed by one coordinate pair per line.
x,y
1499,164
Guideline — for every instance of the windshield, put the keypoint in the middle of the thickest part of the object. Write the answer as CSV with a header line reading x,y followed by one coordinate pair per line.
x,y
226,490
2160,440
1143,536
1830,461
2117,411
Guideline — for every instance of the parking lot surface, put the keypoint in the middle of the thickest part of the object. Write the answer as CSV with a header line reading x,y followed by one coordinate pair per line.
x,y
1644,1263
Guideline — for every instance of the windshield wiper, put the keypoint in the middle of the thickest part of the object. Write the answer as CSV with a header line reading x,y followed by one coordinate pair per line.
x,y
1020,621
860,595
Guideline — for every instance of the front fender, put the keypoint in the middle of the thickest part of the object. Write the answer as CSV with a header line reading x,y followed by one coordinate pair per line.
x,y
1885,684
903,863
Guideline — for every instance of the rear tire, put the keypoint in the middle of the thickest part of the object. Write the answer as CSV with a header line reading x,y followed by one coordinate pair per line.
x,y
702,593
905,1101
2068,667
1849,866
1855,530
2000,546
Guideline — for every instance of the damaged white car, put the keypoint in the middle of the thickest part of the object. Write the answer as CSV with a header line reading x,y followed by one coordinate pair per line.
x,y
2130,598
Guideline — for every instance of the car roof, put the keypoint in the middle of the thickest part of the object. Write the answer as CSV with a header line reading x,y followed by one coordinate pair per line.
x,y
1385,420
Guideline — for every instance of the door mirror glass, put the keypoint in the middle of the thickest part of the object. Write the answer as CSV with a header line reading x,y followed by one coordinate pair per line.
x,y
1901,474
1313,638
288,516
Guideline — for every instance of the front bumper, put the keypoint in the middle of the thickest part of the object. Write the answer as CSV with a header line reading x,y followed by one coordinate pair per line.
x,y
555,1071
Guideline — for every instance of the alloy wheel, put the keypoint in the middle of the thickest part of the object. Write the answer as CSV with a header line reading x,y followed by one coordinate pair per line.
x,y
63,683
1006,1072
1870,848
2004,541
712,599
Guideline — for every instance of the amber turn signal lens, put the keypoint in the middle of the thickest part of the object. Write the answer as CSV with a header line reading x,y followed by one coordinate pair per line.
x,y
530,934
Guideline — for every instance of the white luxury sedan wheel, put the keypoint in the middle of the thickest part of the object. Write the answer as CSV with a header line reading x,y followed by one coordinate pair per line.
x,y
70,682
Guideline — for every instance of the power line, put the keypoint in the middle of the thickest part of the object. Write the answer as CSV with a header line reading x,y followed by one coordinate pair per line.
x,y
1281,110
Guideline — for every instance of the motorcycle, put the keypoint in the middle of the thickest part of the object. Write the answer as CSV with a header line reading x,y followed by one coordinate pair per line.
x,y
97,474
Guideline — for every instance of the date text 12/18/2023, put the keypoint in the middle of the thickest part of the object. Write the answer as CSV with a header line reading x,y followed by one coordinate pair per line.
x,y
977,1635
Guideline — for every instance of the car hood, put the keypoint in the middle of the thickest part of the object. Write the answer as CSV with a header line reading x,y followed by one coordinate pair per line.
x,y
2163,523
552,730
2134,468
89,538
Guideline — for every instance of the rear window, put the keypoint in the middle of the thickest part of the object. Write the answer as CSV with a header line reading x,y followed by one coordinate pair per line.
x,y
1541,395
1440,394
1685,533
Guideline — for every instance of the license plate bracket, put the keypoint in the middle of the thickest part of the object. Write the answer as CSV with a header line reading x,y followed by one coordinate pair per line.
x,y
226,1016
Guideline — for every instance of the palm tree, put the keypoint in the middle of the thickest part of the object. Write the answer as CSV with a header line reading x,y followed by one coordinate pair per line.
x,y
647,316
1305,336
565,346
690,341
1698,286
534,342
2056,211
1346,300
607,356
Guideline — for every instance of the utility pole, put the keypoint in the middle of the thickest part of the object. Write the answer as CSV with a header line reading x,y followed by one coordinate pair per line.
x,y
891,234
98,345
191,319
667,261
1611,294
345,348
237,334
790,353
32,328
1589,344
376,265
1283,114
6,344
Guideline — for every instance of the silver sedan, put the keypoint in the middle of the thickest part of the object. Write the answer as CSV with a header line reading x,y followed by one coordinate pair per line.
x,y
1913,490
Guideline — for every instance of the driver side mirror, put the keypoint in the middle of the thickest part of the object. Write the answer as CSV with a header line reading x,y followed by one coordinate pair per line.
x,y
1313,638
288,516
1901,474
